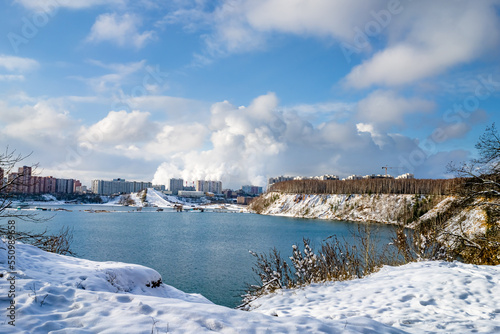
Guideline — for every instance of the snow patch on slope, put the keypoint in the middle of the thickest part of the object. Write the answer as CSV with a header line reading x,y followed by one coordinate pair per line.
x,y
366,208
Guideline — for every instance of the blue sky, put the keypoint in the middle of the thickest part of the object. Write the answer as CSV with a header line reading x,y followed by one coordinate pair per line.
x,y
242,90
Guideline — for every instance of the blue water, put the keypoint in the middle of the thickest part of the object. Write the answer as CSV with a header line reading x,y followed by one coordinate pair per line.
x,y
204,253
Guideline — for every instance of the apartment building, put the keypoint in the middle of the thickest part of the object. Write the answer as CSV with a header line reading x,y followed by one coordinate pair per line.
x,y
209,186
118,186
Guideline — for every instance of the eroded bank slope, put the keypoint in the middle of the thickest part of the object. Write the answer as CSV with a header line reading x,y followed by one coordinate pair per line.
x,y
380,208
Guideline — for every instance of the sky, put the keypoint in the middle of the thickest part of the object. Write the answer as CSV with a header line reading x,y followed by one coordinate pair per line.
x,y
244,90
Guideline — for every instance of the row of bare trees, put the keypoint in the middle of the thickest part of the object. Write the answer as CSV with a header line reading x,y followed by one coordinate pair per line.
x,y
369,186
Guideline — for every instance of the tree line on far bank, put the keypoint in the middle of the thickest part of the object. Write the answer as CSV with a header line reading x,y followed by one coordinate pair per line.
x,y
370,186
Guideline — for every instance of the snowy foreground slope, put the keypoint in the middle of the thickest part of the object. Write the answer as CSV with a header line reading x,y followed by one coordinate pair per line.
x,y
59,294
423,297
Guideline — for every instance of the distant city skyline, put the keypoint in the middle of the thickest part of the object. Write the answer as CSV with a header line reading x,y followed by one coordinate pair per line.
x,y
242,90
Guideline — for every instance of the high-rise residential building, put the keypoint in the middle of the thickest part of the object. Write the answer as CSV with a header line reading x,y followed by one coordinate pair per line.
x,y
118,186
12,181
209,186
273,180
24,182
176,185
64,186
252,190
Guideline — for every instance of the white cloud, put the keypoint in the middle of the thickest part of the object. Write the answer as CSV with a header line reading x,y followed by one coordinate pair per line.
x,y
11,77
386,108
52,5
242,139
120,74
134,135
176,107
428,39
249,144
175,138
246,25
378,138
303,17
41,123
121,30
17,64
120,127
417,40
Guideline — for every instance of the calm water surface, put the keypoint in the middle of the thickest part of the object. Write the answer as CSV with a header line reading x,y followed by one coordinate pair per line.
x,y
203,253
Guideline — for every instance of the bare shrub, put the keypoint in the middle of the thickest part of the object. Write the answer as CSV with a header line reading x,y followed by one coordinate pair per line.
x,y
337,260
59,243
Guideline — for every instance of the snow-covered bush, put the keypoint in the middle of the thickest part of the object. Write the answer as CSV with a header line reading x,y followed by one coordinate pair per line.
x,y
335,261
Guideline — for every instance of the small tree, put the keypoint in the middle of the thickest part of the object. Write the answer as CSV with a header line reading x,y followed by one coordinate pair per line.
x,y
480,189
59,243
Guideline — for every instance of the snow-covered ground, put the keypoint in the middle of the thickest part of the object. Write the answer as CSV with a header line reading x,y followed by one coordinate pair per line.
x,y
153,198
156,198
59,294
365,208
423,297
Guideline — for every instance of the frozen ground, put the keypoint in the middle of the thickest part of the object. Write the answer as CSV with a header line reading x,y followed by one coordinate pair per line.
x,y
59,294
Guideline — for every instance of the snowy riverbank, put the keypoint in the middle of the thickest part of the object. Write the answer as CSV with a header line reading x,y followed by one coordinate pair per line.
x,y
364,208
60,294
153,199
381,208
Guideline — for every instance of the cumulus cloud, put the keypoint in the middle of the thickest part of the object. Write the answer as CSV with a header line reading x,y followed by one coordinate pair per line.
x,y
121,30
136,136
242,139
180,137
37,124
249,144
121,127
